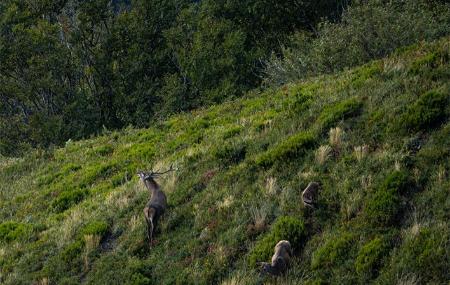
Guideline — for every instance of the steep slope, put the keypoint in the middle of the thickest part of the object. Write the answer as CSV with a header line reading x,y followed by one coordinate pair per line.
x,y
377,138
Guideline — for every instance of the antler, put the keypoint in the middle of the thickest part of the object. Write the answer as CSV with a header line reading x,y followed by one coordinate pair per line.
x,y
156,174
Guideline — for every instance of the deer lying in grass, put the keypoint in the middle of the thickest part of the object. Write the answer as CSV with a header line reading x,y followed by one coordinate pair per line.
x,y
157,204
280,259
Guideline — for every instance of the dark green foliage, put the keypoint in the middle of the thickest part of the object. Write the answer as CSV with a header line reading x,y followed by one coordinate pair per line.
x,y
384,206
231,132
343,110
289,149
99,228
67,199
370,257
100,171
368,30
429,61
103,150
11,231
72,251
425,254
427,112
230,153
398,181
65,78
126,271
335,251
285,228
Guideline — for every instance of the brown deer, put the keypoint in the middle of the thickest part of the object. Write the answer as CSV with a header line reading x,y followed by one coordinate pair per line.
x,y
157,204
309,195
280,259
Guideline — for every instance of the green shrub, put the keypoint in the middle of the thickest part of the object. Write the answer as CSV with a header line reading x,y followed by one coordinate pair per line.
x,y
426,254
71,167
343,110
232,131
230,153
126,270
72,251
364,73
370,257
384,206
285,228
10,231
99,228
103,150
430,60
397,181
98,171
67,199
427,112
301,98
334,252
288,149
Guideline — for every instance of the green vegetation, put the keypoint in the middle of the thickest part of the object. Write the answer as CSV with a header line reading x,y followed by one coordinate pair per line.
x,y
72,68
370,257
67,199
285,228
73,214
368,30
343,110
334,252
95,228
11,231
427,112
288,149
385,205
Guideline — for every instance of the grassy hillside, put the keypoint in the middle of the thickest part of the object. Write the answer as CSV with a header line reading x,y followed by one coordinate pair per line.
x,y
377,138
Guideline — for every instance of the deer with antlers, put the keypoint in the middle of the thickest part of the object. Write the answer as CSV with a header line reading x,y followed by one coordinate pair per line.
x,y
157,204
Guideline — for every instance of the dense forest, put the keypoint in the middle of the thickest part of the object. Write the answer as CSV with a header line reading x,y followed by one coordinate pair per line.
x,y
71,68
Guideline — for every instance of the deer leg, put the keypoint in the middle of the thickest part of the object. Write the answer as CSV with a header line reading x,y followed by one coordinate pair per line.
x,y
148,213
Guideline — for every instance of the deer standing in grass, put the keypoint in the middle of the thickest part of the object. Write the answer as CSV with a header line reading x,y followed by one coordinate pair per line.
x,y
157,204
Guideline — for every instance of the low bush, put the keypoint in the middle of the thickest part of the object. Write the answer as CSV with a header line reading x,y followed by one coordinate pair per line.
x,y
301,99
430,61
230,153
398,181
425,254
285,228
427,112
99,171
72,251
288,149
11,231
67,199
126,271
99,228
103,150
343,110
334,252
370,257
383,207
232,131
